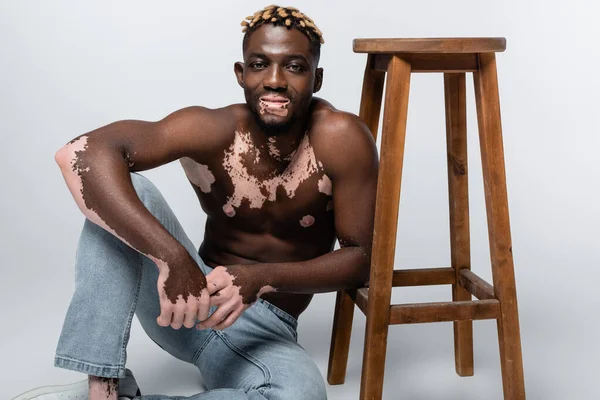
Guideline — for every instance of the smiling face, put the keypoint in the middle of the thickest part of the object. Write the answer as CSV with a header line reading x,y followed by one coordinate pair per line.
x,y
279,75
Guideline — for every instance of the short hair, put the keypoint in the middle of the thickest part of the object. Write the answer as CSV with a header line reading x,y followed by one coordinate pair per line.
x,y
289,17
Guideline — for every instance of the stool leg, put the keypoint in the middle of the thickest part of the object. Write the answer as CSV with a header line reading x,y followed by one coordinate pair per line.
x,y
458,190
370,107
340,338
372,90
386,221
494,178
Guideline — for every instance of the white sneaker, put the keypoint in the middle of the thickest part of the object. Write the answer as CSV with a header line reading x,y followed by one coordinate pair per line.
x,y
128,389
74,391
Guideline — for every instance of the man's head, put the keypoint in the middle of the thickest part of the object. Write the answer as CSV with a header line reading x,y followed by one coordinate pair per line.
x,y
280,72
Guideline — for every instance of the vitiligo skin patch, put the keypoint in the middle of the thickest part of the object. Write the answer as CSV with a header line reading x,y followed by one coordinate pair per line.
x,y
307,220
198,174
273,151
325,185
257,190
76,178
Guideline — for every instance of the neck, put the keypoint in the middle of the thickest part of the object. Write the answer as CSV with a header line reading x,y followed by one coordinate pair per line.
x,y
285,139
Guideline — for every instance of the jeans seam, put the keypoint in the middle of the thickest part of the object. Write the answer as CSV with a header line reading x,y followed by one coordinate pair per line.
x,y
203,347
127,330
247,356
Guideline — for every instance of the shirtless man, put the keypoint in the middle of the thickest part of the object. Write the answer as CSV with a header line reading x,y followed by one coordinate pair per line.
x,y
279,178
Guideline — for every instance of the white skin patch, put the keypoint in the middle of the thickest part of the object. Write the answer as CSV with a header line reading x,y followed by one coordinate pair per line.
x,y
273,151
325,185
307,221
246,186
229,210
198,174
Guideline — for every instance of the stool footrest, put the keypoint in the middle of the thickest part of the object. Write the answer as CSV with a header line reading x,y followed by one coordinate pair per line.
x,y
444,311
475,285
424,276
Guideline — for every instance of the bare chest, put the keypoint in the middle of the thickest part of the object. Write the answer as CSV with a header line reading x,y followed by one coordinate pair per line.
x,y
254,187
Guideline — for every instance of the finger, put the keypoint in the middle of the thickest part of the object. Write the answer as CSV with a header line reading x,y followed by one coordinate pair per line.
x,y
213,285
218,298
164,319
203,308
231,318
217,316
189,320
178,314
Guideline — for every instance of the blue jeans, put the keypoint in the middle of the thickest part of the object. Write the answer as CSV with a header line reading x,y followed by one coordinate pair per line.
x,y
258,357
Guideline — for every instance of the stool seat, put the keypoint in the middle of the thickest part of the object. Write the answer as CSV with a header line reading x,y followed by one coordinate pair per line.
x,y
429,45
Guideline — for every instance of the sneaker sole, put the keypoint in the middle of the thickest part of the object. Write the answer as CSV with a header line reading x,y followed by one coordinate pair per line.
x,y
79,390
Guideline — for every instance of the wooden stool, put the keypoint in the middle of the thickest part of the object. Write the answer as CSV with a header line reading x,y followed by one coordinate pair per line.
x,y
453,56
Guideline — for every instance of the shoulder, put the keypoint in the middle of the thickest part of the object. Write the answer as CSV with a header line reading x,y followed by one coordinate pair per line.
x,y
204,129
194,117
341,140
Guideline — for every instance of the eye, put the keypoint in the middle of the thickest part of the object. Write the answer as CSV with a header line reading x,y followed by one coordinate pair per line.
x,y
296,67
258,65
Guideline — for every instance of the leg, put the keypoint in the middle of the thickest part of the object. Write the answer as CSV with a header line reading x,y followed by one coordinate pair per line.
x,y
458,190
108,278
386,221
258,357
370,107
494,178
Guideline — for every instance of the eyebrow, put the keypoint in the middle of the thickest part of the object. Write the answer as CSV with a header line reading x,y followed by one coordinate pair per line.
x,y
289,57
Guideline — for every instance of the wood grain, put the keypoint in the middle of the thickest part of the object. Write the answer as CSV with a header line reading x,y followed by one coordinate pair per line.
x,y
475,285
444,311
423,276
370,108
494,178
429,45
370,100
458,195
386,220
340,337
426,62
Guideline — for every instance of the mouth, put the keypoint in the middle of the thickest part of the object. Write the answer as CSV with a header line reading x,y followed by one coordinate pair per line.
x,y
276,101
274,105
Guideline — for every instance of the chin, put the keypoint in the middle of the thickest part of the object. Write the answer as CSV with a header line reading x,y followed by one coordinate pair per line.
x,y
274,122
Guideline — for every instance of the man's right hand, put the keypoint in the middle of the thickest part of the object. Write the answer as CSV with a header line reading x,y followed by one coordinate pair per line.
x,y
184,299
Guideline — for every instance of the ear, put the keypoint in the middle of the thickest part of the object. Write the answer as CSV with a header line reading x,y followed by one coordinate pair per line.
x,y
318,80
238,68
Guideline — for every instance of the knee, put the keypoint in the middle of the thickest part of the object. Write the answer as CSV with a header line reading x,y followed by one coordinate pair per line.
x,y
308,386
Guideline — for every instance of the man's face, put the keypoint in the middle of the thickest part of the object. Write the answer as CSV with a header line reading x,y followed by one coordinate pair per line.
x,y
279,75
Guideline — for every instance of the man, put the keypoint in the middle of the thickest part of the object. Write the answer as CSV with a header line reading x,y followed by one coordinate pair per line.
x,y
279,178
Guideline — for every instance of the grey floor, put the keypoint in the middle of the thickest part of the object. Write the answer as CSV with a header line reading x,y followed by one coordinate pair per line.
x,y
558,364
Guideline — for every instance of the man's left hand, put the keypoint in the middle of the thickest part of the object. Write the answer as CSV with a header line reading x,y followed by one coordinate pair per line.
x,y
233,290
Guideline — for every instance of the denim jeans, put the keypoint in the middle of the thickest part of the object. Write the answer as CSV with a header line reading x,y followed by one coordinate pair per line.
x,y
258,357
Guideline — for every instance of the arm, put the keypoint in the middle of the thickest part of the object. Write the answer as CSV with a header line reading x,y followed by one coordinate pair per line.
x,y
96,167
349,155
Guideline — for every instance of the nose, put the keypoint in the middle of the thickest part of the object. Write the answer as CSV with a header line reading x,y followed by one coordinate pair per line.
x,y
275,79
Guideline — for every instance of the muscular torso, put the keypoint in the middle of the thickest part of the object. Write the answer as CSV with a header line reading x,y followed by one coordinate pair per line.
x,y
267,200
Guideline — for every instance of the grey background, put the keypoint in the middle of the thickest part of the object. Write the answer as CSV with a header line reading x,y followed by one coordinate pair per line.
x,y
67,67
